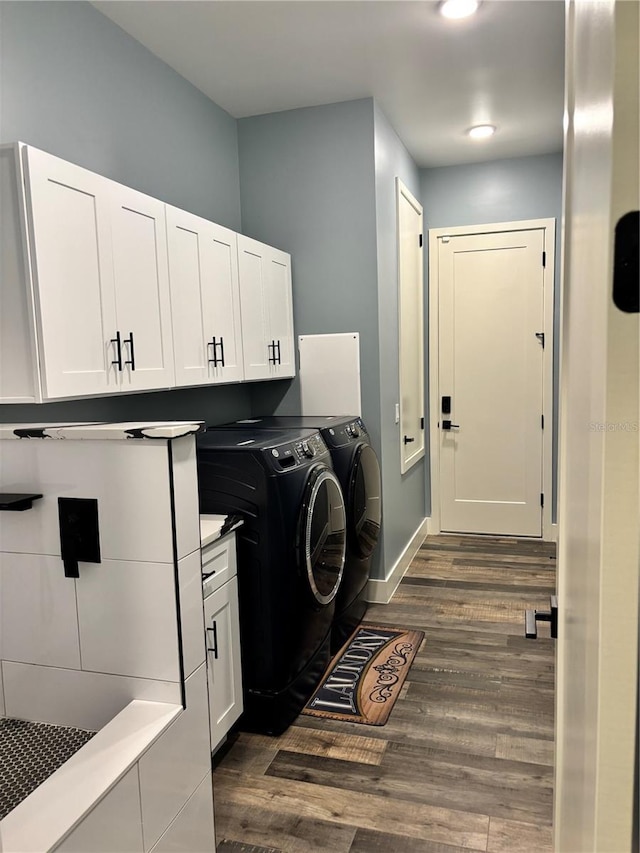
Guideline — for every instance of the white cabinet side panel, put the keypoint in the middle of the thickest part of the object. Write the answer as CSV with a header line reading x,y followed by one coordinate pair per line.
x,y
330,374
18,366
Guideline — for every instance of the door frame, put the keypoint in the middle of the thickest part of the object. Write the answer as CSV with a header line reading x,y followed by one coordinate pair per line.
x,y
547,226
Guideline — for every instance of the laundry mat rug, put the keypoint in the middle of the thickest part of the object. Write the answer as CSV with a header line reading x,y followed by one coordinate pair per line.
x,y
364,679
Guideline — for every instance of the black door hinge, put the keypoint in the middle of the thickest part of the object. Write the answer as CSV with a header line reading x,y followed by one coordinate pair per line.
x,y
421,423
541,498
542,421
544,259
420,238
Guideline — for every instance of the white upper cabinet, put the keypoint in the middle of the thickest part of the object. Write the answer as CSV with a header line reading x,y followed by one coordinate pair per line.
x,y
267,316
72,276
141,278
105,290
205,300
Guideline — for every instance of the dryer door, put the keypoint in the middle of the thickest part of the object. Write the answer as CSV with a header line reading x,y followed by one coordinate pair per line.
x,y
322,538
365,501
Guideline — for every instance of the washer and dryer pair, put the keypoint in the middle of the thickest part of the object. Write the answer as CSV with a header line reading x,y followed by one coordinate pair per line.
x,y
303,555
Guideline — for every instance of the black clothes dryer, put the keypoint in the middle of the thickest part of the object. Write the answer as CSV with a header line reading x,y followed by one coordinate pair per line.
x,y
291,552
357,468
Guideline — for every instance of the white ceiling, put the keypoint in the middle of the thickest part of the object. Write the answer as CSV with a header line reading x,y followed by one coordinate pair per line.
x,y
433,78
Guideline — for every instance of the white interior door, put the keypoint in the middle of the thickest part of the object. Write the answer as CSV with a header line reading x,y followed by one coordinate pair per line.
x,y
598,547
141,276
491,369
71,253
411,328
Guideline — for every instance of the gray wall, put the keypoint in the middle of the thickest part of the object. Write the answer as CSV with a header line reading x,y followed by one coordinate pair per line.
x,y
403,494
308,185
500,191
76,85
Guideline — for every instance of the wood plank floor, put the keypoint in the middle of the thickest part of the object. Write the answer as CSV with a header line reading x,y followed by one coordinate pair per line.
x,y
465,761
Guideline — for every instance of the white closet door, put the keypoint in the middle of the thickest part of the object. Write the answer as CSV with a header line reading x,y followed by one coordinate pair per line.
x,y
141,276
256,343
71,253
278,276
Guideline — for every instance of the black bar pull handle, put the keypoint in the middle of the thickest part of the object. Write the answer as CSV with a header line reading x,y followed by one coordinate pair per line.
x,y
221,351
214,360
214,631
272,350
279,358
132,360
532,617
118,359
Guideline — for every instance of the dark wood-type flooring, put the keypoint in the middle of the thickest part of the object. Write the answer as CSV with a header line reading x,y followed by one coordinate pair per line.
x,y
465,761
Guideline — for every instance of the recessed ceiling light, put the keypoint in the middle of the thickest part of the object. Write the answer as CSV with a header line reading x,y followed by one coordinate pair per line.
x,y
458,8
481,131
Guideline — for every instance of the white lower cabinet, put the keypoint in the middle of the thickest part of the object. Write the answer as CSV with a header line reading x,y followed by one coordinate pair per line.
x,y
222,629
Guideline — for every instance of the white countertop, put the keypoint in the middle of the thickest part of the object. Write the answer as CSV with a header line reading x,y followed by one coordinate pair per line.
x,y
101,431
211,527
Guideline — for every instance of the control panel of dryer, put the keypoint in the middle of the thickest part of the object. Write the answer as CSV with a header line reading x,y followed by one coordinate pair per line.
x,y
298,452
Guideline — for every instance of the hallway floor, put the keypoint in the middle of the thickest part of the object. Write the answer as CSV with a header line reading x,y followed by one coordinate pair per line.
x,y
466,759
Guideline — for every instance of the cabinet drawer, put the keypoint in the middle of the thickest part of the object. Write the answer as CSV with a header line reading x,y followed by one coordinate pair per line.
x,y
218,563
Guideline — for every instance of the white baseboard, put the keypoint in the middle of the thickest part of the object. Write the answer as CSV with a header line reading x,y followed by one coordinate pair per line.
x,y
380,591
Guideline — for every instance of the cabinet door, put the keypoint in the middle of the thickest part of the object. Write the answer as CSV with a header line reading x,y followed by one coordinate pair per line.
x,y
256,343
222,627
205,300
278,277
70,241
141,278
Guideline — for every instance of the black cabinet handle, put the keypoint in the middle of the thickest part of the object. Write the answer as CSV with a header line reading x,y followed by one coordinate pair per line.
x,y
132,360
213,343
408,439
214,631
118,359
221,351
279,359
272,350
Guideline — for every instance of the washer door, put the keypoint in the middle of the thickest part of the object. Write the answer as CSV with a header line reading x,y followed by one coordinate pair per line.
x,y
322,538
365,501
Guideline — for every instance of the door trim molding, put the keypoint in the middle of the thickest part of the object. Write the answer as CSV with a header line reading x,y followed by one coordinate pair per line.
x,y
548,226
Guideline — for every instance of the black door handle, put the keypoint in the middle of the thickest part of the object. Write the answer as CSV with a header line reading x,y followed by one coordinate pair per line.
x,y
407,439
448,425
118,359
214,631
532,617
132,360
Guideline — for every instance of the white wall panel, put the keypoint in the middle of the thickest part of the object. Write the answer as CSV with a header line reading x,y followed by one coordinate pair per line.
x,y
69,697
128,620
114,825
193,829
38,619
172,768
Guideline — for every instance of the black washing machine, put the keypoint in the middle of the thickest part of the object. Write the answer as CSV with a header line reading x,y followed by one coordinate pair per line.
x,y
356,466
291,552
